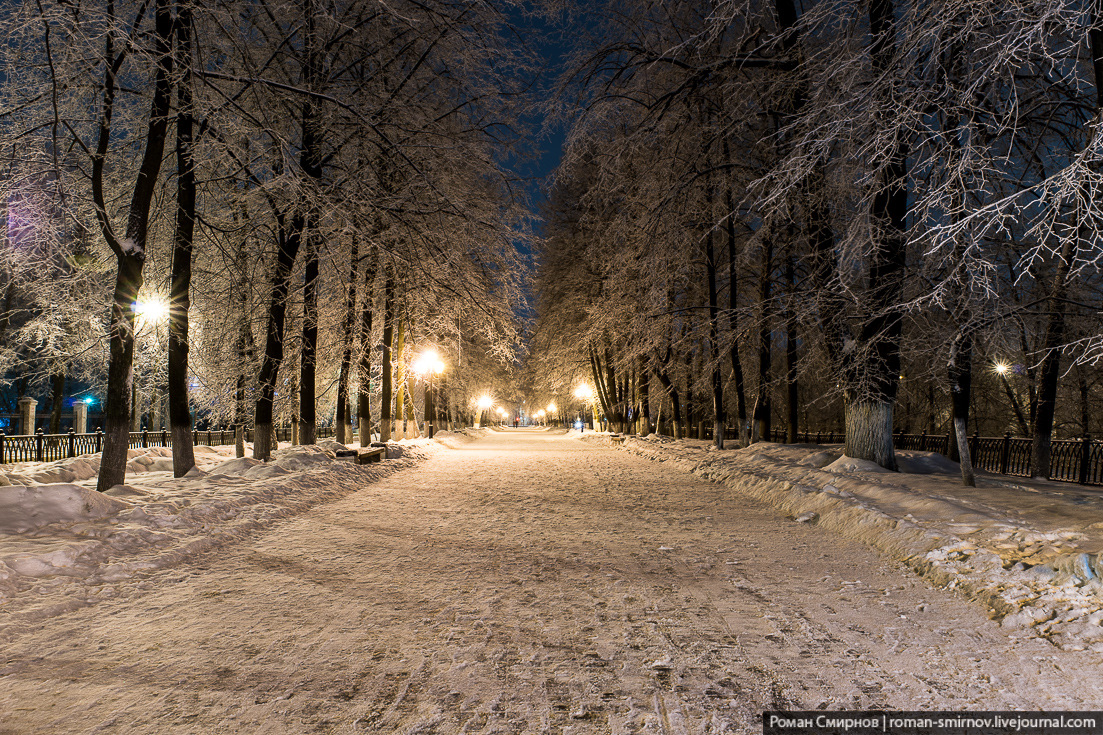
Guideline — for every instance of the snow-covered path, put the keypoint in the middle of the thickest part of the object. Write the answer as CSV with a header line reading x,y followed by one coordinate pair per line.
x,y
524,583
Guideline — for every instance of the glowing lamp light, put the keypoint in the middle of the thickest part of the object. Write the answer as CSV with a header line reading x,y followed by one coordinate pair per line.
x,y
428,363
1001,368
551,408
154,309
540,414
485,402
89,401
584,392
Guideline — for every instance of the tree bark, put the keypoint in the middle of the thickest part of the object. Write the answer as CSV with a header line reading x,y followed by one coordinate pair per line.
x,y
290,239
714,334
733,322
961,386
344,420
675,403
57,398
792,402
180,423
400,412
874,382
763,407
308,359
130,253
364,369
388,335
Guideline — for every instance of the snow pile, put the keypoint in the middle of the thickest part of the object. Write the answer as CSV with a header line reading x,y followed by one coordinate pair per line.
x,y
27,508
1031,551
68,539
459,439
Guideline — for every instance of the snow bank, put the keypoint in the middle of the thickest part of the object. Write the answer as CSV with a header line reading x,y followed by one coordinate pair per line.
x,y
1031,551
74,542
459,439
27,508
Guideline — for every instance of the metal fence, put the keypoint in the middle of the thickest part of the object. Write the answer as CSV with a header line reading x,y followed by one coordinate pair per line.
x,y
49,447
1071,460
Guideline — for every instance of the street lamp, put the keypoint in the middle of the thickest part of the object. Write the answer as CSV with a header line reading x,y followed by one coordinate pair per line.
x,y
540,415
428,364
152,311
503,413
585,394
484,404
552,409
1001,369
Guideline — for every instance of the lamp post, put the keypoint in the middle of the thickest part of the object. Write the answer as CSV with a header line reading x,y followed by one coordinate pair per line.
x,y
428,364
1001,369
585,394
484,405
551,409
152,311
502,413
540,415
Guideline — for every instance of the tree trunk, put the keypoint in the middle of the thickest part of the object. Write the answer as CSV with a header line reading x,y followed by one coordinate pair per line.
x,y
792,402
388,335
289,241
180,424
310,159
763,406
733,323
244,348
364,369
714,334
961,386
869,431
130,253
645,398
874,382
675,404
344,420
57,398
308,354
1050,369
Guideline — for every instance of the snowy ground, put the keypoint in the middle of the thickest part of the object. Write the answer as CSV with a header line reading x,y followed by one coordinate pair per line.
x,y
1029,550
528,582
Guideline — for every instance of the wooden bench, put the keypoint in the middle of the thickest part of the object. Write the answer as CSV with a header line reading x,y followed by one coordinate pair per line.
x,y
367,456
616,438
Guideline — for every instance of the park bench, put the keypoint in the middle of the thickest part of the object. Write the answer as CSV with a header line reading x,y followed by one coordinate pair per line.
x,y
616,438
362,456
367,456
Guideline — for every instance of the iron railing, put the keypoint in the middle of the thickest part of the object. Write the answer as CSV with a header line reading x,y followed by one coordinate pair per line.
x,y
49,447
1071,460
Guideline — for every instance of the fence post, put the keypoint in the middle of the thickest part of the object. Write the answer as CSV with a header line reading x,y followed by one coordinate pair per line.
x,y
72,443
99,440
26,415
145,438
923,441
164,438
1085,457
39,447
195,437
1005,452
2,461
974,440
